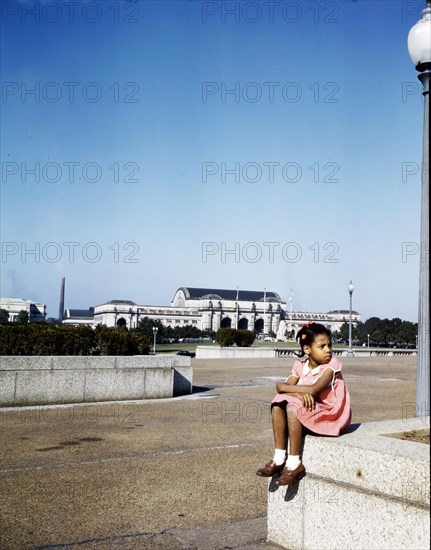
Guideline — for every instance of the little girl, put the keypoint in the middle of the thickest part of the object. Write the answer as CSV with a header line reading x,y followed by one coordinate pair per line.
x,y
314,396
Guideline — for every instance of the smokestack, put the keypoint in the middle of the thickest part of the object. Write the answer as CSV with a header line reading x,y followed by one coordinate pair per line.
x,y
61,309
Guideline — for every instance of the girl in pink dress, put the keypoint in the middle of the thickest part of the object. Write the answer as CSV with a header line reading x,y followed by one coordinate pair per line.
x,y
314,397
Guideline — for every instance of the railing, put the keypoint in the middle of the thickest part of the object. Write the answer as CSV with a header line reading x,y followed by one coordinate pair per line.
x,y
360,352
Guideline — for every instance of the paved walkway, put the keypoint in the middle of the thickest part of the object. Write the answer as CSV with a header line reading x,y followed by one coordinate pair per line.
x,y
165,474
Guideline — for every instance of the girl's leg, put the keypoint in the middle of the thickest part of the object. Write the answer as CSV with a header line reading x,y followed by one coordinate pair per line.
x,y
279,425
295,431
294,470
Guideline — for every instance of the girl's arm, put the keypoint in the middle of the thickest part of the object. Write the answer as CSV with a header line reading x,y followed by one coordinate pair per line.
x,y
292,387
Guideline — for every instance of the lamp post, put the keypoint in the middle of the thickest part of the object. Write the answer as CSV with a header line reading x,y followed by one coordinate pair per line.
x,y
350,288
237,307
155,329
419,46
368,341
291,324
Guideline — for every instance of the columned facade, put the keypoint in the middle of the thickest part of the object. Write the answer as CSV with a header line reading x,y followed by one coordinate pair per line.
x,y
210,309
259,311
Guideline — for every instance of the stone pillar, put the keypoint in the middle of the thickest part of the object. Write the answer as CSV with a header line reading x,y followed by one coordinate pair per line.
x,y
270,315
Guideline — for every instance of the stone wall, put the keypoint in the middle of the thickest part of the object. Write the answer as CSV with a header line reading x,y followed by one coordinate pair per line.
x,y
46,380
217,352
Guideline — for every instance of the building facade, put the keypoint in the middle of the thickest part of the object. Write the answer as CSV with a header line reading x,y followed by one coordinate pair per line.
x,y
35,311
204,308
210,309
243,309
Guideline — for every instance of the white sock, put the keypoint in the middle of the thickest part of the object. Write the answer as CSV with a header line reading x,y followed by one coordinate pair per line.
x,y
293,461
279,456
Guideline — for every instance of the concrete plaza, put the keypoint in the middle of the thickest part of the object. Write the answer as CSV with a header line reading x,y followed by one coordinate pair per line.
x,y
165,474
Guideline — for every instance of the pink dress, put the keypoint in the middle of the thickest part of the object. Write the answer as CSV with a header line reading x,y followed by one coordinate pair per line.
x,y
331,414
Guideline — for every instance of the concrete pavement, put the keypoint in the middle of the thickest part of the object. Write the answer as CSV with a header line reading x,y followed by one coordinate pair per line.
x,y
165,474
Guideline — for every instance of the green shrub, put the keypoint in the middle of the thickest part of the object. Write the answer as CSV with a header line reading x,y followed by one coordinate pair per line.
x,y
244,338
111,341
44,339
229,336
225,337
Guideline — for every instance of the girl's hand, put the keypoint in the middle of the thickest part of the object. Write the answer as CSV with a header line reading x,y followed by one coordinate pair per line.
x,y
280,387
307,400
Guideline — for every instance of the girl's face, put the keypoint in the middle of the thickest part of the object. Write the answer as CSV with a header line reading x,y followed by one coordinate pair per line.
x,y
320,350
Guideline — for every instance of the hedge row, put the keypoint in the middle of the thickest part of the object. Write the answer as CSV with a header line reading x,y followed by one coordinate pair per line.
x,y
45,339
229,336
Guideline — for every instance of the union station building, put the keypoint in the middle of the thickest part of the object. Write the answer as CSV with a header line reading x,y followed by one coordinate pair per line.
x,y
210,309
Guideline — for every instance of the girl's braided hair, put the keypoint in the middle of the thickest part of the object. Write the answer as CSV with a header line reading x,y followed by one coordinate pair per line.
x,y
308,333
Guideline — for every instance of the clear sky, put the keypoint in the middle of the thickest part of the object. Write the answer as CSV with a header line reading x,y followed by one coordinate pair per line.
x,y
155,144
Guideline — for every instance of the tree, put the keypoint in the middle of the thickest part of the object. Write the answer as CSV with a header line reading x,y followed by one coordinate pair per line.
x,y
408,332
22,317
370,327
4,316
344,332
145,328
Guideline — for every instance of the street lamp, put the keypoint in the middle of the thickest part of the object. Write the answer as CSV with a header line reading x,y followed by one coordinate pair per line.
x,y
155,329
350,288
368,340
419,46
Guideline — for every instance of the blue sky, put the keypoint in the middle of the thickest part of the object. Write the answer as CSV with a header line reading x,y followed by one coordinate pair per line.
x,y
151,145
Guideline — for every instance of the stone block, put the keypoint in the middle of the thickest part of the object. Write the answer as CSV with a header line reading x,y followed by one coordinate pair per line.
x,y
66,379
113,384
363,490
158,382
49,386
182,381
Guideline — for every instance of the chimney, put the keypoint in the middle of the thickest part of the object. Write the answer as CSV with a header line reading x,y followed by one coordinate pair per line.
x,y
61,309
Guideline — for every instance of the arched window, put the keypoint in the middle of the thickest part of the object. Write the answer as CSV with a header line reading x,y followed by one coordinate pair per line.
x,y
243,324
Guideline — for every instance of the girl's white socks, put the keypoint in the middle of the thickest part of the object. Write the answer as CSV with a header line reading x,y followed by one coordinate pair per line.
x,y
279,456
293,461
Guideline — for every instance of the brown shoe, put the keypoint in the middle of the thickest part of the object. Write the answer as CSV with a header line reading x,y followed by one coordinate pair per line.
x,y
288,476
270,469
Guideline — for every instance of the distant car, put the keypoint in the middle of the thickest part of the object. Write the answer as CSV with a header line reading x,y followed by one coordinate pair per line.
x,y
186,352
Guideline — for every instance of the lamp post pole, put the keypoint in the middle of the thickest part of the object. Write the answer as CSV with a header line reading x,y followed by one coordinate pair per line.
x,y
237,307
419,46
155,329
291,324
350,288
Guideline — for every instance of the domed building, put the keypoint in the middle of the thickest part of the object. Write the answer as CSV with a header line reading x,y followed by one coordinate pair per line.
x,y
260,311
212,308
204,308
